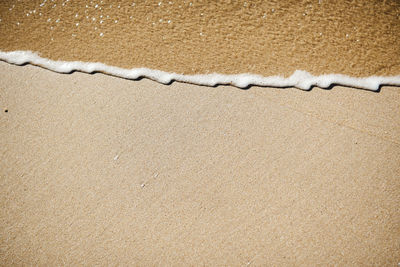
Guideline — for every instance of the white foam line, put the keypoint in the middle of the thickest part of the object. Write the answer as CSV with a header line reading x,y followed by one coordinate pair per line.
x,y
299,79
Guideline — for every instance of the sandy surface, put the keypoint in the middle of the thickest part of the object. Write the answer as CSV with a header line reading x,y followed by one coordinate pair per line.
x,y
97,170
357,38
100,170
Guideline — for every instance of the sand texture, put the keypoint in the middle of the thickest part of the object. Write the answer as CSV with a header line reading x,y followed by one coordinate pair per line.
x,y
358,38
97,170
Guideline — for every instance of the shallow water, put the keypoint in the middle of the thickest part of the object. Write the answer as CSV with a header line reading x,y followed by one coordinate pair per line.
x,y
199,37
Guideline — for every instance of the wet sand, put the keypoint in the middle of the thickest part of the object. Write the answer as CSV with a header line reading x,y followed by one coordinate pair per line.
x,y
357,38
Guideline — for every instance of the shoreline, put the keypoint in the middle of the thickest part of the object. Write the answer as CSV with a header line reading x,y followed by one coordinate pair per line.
x,y
299,79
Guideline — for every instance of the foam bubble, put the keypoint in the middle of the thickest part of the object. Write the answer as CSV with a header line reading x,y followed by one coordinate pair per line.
x,y
299,79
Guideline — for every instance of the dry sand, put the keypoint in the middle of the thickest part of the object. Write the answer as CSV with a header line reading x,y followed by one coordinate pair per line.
x,y
101,170
357,38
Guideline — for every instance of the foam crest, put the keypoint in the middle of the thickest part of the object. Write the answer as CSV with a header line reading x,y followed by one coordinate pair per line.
x,y
299,79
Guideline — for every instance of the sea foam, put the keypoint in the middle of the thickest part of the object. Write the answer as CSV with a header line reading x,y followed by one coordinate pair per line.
x,y
299,79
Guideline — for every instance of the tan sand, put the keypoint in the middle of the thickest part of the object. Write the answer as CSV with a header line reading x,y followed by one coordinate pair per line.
x,y
358,38
98,170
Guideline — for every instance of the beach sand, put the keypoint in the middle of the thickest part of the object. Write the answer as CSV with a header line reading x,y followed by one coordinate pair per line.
x,y
98,170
